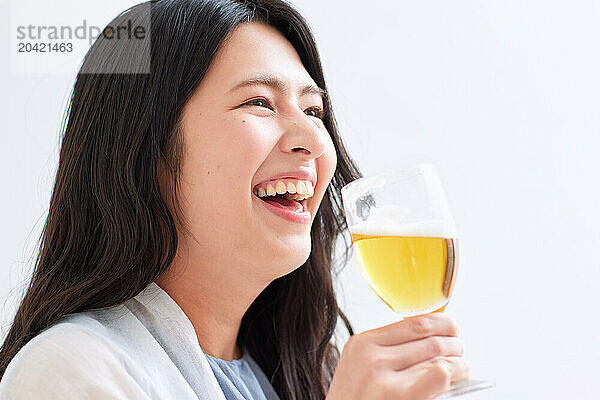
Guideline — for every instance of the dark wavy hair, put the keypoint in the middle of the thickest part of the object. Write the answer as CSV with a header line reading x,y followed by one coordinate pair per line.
x,y
110,232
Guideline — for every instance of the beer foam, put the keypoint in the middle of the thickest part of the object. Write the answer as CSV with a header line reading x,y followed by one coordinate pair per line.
x,y
431,228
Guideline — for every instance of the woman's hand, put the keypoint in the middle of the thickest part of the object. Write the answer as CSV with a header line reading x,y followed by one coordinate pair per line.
x,y
417,358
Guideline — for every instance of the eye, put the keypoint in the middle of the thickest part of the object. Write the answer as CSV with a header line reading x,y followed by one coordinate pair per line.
x,y
319,113
260,102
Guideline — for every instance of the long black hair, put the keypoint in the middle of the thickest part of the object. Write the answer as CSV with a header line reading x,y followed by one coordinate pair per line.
x,y
109,230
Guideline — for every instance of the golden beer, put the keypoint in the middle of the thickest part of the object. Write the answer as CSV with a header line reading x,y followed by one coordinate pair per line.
x,y
413,275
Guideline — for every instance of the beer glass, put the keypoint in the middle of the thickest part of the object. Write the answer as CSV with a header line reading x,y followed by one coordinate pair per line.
x,y
405,241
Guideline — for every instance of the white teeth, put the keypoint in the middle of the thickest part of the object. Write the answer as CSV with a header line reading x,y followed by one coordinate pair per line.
x,y
299,191
291,187
280,187
301,188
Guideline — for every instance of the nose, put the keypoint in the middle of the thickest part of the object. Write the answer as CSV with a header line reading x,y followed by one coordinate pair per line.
x,y
303,136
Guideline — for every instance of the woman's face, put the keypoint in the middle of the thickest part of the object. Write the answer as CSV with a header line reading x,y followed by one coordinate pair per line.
x,y
238,139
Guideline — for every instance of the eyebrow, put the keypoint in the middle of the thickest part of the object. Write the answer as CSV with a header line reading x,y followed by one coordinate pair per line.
x,y
278,84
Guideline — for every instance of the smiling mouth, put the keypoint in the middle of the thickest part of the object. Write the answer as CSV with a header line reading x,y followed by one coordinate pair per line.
x,y
287,193
286,197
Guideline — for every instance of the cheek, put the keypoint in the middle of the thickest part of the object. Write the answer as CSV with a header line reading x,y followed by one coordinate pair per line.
x,y
327,164
332,159
247,140
220,159
231,148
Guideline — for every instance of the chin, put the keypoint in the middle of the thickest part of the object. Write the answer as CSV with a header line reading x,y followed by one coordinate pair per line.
x,y
293,262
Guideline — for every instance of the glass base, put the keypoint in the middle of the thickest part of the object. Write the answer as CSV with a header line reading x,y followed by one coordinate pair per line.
x,y
465,387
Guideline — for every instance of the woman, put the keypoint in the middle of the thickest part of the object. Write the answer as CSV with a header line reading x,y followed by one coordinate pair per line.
x,y
188,247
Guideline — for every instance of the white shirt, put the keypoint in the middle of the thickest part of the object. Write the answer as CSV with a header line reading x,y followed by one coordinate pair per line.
x,y
145,348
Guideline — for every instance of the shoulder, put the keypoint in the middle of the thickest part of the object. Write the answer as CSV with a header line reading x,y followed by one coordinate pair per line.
x,y
71,359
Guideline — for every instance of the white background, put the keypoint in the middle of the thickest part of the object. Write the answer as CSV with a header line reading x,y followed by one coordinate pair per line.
x,y
502,96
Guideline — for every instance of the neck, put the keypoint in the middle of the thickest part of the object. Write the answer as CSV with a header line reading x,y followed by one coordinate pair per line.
x,y
214,301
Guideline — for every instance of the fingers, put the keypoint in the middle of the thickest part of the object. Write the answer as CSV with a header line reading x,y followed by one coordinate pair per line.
x,y
408,354
435,376
416,358
414,328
